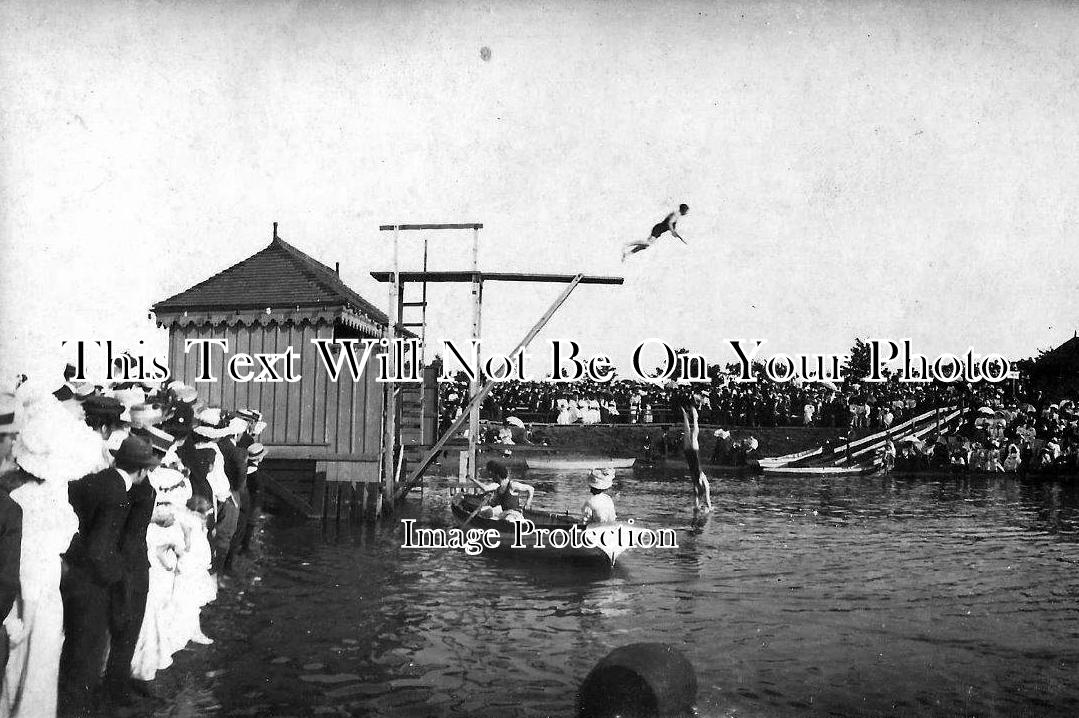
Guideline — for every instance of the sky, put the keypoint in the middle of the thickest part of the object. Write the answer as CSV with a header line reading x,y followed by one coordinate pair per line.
x,y
853,169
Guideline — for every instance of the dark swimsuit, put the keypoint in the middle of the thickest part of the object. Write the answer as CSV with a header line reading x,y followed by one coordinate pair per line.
x,y
508,501
664,226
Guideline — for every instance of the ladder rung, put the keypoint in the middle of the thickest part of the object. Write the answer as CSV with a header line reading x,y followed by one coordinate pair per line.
x,y
411,324
413,304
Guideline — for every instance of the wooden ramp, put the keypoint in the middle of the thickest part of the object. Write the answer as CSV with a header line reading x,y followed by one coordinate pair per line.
x,y
860,456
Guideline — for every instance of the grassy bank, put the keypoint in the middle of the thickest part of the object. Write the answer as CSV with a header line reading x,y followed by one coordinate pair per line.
x,y
628,440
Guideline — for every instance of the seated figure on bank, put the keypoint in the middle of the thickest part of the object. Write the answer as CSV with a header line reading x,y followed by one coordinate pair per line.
x,y
506,502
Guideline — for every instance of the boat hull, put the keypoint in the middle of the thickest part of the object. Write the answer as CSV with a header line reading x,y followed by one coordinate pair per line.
x,y
606,536
555,463
819,470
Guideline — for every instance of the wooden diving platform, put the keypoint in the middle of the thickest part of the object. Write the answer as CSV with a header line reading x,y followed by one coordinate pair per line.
x,y
472,276
404,227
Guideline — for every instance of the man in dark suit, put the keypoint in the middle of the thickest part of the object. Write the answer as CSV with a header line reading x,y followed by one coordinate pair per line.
x,y
232,518
10,552
127,604
97,576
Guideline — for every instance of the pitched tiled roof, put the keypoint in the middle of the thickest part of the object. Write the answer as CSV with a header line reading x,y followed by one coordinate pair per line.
x,y
279,276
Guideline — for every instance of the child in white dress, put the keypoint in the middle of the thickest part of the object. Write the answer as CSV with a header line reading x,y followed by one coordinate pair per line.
x,y
195,587
165,545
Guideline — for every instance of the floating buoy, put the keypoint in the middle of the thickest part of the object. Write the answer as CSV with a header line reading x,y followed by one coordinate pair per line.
x,y
639,680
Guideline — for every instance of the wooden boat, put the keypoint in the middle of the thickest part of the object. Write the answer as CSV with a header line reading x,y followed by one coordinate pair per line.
x,y
611,539
774,461
856,470
564,463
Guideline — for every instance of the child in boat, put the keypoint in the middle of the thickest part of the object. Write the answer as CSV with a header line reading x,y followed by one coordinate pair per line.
x,y
702,493
506,503
600,507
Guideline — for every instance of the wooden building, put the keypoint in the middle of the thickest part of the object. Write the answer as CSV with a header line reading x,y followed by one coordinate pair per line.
x,y
1056,372
319,431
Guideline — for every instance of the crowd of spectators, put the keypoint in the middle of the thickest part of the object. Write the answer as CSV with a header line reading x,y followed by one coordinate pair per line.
x,y
123,508
1013,437
726,402
1005,427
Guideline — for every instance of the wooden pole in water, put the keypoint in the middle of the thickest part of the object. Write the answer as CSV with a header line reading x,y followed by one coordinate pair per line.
x,y
389,445
475,383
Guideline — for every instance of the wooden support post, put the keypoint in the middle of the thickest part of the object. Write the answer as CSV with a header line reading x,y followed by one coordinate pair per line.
x,y
318,493
389,441
474,385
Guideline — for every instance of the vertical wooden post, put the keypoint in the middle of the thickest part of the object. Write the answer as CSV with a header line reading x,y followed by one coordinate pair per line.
x,y
476,383
389,443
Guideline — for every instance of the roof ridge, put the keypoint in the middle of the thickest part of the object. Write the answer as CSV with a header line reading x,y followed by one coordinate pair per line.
x,y
236,284
214,276
311,267
331,281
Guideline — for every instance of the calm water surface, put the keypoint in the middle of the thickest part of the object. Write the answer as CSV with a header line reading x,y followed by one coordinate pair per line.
x,y
852,596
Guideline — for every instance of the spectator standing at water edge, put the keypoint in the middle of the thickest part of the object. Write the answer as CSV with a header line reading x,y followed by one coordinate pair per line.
x,y
128,603
669,224
101,504
10,524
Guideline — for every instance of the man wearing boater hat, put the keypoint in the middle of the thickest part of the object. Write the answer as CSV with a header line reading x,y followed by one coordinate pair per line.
x,y
99,589
128,604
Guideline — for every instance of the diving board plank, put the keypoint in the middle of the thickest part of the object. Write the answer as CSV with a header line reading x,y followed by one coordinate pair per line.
x,y
468,276
406,227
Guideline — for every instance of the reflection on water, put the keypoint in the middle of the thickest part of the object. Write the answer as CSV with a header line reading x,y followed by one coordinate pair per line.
x,y
847,596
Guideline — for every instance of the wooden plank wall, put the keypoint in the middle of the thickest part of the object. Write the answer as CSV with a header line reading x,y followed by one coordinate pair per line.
x,y
312,418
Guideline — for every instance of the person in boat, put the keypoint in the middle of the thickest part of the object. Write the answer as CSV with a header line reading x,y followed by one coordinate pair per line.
x,y
669,224
702,493
506,502
600,507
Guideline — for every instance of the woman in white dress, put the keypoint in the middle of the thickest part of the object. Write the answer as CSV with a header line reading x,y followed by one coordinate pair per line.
x,y
165,544
53,449
195,587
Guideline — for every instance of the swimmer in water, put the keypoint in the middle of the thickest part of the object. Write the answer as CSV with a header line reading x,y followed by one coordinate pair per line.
x,y
702,493
669,224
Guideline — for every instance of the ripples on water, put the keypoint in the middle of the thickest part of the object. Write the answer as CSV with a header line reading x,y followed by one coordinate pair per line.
x,y
847,596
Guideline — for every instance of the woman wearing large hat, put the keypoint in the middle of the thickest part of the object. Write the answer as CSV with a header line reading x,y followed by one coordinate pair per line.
x,y
53,448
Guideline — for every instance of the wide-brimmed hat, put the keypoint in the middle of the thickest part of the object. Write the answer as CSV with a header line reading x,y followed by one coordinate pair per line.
x,y
237,425
103,407
138,452
160,441
249,415
183,392
53,445
209,424
601,479
172,486
146,414
256,452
